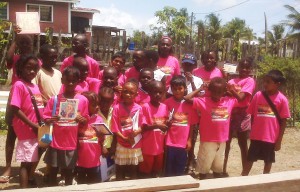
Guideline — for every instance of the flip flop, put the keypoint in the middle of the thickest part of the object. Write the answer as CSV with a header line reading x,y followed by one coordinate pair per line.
x,y
4,179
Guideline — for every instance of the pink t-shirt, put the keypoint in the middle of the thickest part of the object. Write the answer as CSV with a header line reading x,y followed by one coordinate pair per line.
x,y
132,73
93,65
21,99
153,140
89,148
121,78
65,132
81,87
265,126
246,85
206,76
122,122
215,118
14,74
183,117
170,66
142,97
94,84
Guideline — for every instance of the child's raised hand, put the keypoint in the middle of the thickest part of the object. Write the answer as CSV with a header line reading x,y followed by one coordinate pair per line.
x,y
189,76
17,29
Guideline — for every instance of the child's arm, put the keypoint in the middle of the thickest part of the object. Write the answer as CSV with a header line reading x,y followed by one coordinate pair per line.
x,y
189,97
162,127
189,141
16,111
281,132
239,96
10,55
127,139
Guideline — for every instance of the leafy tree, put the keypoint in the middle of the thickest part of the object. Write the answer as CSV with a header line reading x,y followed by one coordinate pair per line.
x,y
274,36
140,39
214,33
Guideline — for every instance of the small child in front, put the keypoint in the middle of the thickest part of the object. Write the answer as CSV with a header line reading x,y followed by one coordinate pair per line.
x,y
62,152
126,127
156,116
214,126
179,135
90,145
270,111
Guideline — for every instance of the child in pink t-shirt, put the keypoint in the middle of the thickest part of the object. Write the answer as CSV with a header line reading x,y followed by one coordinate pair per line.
x,y
214,126
179,135
62,152
209,69
156,116
127,119
138,59
80,47
118,62
90,144
146,76
241,88
268,124
25,120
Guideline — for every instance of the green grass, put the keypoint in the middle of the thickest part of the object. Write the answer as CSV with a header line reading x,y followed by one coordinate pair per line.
x,y
3,132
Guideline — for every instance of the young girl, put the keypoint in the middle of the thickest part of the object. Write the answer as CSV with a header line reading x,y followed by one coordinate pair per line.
x,y
90,144
241,88
25,122
146,76
268,124
126,127
214,126
179,136
154,128
62,152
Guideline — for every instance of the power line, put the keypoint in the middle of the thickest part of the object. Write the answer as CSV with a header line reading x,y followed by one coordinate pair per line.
x,y
224,8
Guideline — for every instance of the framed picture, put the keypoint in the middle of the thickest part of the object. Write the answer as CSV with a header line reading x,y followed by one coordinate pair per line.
x,y
101,129
230,68
29,22
68,109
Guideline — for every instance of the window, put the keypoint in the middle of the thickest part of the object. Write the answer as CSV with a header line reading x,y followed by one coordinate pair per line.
x,y
4,10
45,11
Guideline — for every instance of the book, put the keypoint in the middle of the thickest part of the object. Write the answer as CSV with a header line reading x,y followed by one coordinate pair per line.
x,y
68,109
29,22
135,126
101,129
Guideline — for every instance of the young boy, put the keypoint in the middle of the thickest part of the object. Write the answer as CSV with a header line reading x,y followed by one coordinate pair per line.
x,y
214,126
80,48
270,111
146,76
138,59
153,131
179,136
118,62
48,78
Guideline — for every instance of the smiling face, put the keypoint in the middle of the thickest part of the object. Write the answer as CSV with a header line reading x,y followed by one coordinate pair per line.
x,y
30,70
179,91
145,78
209,61
70,81
110,77
79,44
129,92
118,63
244,69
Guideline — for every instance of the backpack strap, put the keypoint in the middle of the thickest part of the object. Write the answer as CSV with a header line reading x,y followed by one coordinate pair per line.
x,y
37,113
273,107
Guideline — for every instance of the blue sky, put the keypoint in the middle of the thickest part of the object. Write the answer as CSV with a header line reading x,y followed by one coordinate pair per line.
x,y
139,14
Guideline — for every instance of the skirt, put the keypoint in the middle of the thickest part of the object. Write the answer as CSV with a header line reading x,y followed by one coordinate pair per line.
x,y
65,159
240,121
128,156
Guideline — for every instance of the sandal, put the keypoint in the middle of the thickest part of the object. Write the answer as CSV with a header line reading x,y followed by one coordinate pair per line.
x,y
4,179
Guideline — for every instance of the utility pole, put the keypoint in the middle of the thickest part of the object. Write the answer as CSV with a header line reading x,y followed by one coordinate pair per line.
x,y
191,32
266,33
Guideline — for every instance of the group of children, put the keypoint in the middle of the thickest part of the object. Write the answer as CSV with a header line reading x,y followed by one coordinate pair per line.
x,y
154,125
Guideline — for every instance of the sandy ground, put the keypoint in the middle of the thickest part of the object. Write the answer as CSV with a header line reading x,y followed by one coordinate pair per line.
x,y
288,158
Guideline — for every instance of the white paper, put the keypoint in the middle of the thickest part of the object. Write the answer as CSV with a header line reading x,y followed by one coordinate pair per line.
x,y
107,168
158,75
171,115
135,126
29,22
229,68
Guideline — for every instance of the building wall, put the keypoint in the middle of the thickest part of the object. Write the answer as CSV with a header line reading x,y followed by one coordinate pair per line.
x,y
60,14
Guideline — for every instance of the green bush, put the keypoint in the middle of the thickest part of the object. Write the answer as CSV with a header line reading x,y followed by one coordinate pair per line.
x,y
3,125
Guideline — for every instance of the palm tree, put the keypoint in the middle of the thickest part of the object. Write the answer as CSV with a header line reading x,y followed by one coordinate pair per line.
x,y
201,37
274,36
214,33
235,29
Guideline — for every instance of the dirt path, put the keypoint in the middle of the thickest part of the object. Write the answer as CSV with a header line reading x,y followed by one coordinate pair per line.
x,y
286,159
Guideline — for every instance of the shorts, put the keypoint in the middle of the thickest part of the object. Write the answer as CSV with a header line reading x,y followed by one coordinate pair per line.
x,y
65,159
240,120
261,150
152,163
175,161
128,156
27,150
210,157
